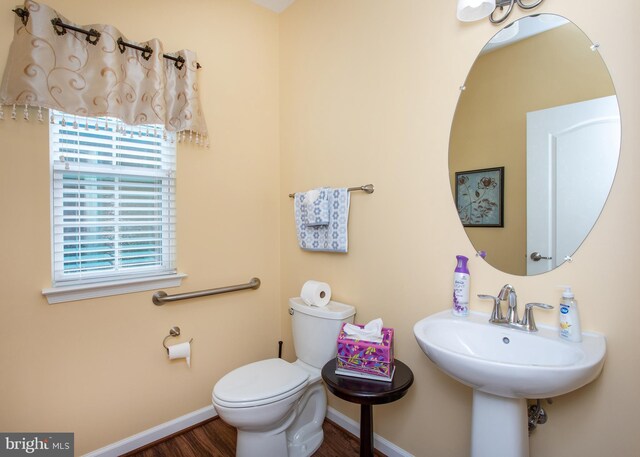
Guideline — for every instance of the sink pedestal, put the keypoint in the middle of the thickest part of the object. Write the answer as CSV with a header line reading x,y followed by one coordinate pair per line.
x,y
499,426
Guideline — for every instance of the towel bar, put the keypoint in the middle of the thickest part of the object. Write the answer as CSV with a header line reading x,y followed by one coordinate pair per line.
x,y
368,188
161,297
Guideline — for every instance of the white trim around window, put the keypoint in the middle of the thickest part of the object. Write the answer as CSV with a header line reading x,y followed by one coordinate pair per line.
x,y
104,289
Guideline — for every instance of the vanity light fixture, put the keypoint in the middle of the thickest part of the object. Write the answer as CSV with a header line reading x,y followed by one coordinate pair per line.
x,y
473,10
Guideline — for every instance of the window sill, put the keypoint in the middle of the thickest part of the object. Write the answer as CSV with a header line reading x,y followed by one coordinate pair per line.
x,y
104,289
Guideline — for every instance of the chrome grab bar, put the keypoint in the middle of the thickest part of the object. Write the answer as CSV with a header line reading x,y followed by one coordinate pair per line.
x,y
161,297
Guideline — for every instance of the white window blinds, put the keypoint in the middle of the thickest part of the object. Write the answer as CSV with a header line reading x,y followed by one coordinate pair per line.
x,y
113,202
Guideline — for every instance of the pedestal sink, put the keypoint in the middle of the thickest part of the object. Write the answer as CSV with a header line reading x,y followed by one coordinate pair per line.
x,y
505,366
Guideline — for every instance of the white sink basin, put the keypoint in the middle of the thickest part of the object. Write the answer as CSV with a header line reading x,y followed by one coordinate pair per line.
x,y
509,362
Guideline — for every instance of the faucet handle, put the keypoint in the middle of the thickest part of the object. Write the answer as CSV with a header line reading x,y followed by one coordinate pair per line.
x,y
528,322
496,314
539,305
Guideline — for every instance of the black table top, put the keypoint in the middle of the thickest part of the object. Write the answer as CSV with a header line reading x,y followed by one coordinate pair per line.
x,y
365,391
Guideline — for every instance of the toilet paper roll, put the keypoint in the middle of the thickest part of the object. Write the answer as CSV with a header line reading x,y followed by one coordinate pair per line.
x,y
181,351
316,293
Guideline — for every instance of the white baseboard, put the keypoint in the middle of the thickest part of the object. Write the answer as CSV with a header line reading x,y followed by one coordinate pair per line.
x,y
163,430
385,446
154,434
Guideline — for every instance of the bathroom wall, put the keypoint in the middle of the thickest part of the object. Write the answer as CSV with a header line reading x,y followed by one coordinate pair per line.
x,y
559,68
368,93
97,367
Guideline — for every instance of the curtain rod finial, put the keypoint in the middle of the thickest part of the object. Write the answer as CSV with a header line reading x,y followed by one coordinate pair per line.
x,y
23,14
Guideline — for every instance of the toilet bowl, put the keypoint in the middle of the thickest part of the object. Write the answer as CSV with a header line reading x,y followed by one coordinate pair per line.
x,y
278,407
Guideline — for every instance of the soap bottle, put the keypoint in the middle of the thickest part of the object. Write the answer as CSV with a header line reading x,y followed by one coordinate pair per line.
x,y
461,280
569,317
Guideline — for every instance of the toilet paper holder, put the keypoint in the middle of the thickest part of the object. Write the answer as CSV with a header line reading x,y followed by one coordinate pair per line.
x,y
174,331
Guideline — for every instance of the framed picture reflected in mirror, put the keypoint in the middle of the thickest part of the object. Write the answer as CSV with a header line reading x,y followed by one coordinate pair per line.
x,y
480,197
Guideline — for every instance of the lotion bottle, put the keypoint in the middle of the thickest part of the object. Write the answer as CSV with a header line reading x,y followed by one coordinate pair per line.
x,y
569,317
461,280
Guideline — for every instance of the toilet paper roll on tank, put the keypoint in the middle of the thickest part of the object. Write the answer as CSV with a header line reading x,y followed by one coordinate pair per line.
x,y
316,293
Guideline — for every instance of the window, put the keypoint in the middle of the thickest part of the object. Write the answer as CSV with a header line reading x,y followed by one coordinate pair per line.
x,y
113,203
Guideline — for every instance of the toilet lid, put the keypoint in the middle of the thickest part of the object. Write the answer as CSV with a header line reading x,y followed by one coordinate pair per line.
x,y
259,383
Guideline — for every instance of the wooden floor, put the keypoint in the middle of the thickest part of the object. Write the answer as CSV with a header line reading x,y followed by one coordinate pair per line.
x,y
217,439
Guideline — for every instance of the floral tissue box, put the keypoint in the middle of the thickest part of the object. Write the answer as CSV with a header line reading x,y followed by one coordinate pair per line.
x,y
366,359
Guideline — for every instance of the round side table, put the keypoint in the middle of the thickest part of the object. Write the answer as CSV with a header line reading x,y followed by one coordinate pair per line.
x,y
367,393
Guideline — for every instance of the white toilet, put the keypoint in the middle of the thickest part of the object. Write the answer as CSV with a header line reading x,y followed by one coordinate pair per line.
x,y
278,407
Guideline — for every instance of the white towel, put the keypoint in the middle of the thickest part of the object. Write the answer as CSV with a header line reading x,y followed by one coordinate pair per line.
x,y
331,237
371,332
314,207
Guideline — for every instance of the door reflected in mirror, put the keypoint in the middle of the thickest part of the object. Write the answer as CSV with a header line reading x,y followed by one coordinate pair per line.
x,y
539,102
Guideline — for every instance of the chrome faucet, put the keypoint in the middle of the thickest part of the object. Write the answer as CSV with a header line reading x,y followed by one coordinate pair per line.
x,y
508,294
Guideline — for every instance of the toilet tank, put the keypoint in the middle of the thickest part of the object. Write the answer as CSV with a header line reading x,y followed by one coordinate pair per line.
x,y
315,329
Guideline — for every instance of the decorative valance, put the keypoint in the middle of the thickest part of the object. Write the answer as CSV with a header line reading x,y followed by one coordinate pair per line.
x,y
95,71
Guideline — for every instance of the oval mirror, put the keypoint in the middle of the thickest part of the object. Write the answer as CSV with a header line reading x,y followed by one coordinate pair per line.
x,y
534,144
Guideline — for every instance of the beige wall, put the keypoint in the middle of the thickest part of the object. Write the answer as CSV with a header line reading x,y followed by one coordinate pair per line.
x,y
332,92
489,129
368,92
97,367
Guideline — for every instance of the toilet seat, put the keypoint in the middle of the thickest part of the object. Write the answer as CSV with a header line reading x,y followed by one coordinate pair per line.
x,y
259,383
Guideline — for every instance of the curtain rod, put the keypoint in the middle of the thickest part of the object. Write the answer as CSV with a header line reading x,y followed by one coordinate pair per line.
x,y
93,36
147,51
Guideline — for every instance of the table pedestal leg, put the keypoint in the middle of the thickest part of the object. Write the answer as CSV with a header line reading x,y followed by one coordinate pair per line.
x,y
366,431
